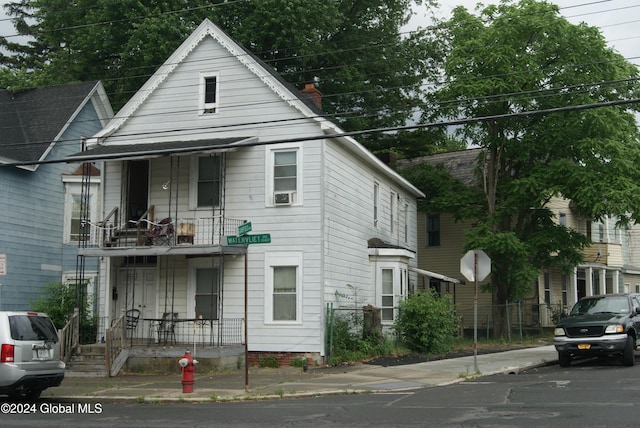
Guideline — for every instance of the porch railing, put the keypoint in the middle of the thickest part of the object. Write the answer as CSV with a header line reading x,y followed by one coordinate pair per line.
x,y
69,336
152,332
202,231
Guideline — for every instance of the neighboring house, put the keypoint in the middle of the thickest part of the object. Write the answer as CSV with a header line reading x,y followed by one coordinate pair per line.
x,y
610,263
40,127
216,140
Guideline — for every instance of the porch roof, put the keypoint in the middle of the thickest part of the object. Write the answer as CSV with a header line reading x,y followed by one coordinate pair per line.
x,y
434,275
186,250
149,150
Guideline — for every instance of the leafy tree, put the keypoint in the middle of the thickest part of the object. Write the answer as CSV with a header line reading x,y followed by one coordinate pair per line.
x,y
426,323
369,73
514,58
59,301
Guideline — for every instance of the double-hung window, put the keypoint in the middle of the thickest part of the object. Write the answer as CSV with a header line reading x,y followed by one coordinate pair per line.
x,y
283,181
207,293
77,216
433,230
79,228
376,203
206,182
387,295
283,292
392,211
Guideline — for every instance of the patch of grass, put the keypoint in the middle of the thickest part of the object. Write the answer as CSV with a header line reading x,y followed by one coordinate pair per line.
x,y
299,362
270,361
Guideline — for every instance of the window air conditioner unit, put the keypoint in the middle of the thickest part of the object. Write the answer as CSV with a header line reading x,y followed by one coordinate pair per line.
x,y
283,198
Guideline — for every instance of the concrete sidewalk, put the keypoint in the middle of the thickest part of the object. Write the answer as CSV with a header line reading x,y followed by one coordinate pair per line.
x,y
266,383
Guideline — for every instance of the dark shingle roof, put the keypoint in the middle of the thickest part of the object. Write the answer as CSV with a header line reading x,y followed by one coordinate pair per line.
x,y
30,120
460,164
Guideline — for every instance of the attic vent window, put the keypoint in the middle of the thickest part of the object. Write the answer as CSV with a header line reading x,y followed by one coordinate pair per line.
x,y
209,93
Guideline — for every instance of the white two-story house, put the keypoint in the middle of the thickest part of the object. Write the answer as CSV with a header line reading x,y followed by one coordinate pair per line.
x,y
229,197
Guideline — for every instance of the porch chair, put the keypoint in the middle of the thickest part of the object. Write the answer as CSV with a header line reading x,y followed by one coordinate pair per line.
x,y
132,316
164,329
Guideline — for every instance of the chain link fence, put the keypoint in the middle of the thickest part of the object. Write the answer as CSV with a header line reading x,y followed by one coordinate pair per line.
x,y
520,319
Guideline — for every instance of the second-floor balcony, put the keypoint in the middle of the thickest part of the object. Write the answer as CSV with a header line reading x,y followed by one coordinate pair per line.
x,y
604,253
151,235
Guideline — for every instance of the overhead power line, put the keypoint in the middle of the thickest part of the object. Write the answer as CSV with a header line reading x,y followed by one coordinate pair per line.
x,y
357,133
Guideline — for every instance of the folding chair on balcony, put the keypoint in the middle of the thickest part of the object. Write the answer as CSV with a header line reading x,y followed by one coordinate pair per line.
x,y
161,233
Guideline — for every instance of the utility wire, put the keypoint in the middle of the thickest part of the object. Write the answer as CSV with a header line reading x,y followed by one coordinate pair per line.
x,y
89,158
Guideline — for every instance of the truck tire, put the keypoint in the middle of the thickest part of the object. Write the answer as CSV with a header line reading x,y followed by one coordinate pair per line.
x,y
628,355
564,359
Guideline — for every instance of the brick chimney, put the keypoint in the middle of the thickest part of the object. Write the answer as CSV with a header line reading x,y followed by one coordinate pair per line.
x,y
311,92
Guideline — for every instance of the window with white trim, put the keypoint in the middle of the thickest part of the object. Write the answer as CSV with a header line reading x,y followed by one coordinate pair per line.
x,y
209,93
203,288
393,198
207,293
206,182
74,227
376,202
547,288
283,182
406,222
387,295
283,294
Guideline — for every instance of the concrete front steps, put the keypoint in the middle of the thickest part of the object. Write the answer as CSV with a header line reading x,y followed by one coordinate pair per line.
x,y
87,361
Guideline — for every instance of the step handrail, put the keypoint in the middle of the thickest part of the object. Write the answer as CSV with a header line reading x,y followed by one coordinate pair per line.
x,y
115,342
69,336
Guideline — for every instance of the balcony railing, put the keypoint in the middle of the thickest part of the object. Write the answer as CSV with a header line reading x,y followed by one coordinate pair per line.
x,y
202,231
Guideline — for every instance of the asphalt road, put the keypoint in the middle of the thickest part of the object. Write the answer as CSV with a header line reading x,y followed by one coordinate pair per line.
x,y
594,393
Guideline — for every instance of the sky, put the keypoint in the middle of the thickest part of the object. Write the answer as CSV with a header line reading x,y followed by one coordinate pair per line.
x,y
618,20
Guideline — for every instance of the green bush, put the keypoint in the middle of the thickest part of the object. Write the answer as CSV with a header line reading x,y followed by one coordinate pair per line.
x,y
269,361
350,346
427,323
58,301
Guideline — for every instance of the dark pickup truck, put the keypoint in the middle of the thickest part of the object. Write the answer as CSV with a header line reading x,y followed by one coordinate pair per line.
x,y
603,325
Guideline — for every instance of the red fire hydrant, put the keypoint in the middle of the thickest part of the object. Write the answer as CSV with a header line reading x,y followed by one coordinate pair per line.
x,y
188,368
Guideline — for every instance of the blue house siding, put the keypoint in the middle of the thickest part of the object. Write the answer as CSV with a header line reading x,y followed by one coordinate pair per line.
x,y
31,219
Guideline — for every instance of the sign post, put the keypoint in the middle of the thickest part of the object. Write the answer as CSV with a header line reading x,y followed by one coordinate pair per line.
x,y
244,239
475,265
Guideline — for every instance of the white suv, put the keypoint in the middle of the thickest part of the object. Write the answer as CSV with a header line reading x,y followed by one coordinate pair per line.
x,y
29,355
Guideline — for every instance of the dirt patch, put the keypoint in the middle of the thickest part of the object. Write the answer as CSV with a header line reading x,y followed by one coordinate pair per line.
x,y
412,358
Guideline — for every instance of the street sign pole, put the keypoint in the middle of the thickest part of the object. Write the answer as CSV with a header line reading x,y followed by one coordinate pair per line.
x,y
475,313
475,265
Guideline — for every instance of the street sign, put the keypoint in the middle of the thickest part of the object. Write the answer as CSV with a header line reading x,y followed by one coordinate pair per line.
x,y
264,238
468,266
244,228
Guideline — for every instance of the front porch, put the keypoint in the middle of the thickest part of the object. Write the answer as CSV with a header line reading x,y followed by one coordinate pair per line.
x,y
144,345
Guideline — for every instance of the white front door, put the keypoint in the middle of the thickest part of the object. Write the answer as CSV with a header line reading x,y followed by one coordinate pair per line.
x,y
137,290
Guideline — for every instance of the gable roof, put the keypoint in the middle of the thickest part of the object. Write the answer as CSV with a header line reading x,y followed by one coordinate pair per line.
x,y
299,100
33,120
